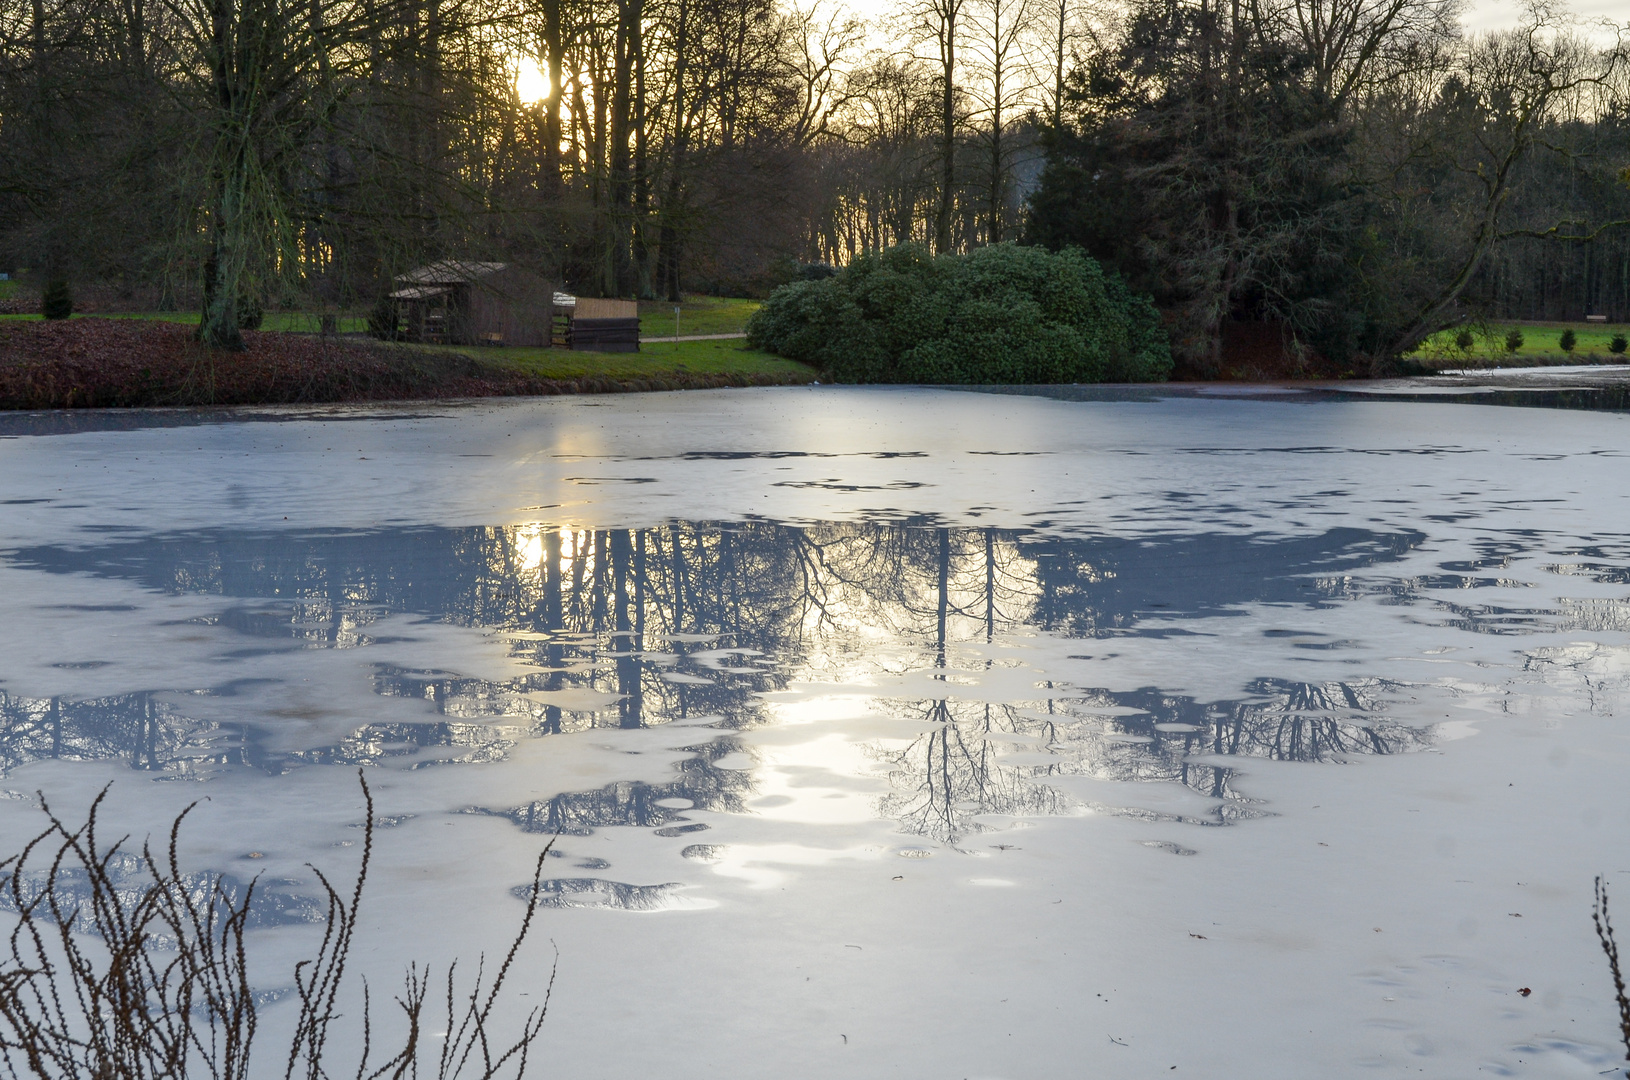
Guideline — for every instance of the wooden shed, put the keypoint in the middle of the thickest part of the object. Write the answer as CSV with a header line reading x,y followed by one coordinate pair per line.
x,y
605,325
457,302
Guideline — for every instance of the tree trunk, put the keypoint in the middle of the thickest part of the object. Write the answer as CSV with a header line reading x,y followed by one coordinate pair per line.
x,y
942,219
668,270
223,274
618,266
1058,65
642,180
554,47
998,59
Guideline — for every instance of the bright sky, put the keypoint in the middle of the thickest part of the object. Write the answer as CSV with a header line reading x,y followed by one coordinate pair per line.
x,y
1480,15
1501,14
533,85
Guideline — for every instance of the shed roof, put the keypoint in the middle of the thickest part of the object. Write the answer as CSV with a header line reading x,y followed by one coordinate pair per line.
x,y
451,272
421,292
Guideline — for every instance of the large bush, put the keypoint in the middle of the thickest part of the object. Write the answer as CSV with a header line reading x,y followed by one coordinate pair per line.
x,y
57,302
1001,314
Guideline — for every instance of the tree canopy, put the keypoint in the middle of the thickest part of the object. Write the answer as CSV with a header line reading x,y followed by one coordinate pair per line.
x,y
1357,172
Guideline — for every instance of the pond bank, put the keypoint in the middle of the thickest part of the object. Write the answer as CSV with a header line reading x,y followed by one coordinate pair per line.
x,y
103,363
131,363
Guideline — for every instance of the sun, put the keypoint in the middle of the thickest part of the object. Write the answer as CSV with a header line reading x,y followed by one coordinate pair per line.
x,y
531,84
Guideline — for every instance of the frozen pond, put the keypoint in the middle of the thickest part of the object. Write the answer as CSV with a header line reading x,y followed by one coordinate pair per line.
x,y
887,733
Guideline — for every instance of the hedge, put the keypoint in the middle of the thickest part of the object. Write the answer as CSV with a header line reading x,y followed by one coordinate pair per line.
x,y
999,314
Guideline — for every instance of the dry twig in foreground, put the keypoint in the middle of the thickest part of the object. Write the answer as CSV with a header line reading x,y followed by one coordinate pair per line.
x,y
1604,934
125,968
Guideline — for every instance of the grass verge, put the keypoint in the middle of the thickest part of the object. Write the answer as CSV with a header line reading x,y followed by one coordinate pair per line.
x,y
1540,346
655,360
697,315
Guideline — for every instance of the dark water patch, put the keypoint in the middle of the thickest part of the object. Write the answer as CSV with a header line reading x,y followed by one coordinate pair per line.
x,y
747,581
319,624
641,628
1169,846
1602,573
1607,398
638,804
274,903
948,777
835,484
1609,392
86,421
139,729
598,893
1590,614
941,782
680,830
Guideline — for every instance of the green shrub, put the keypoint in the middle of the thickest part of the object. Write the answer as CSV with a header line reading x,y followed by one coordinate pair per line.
x,y
383,320
250,314
1000,314
1618,345
57,302
1567,341
1513,340
1465,340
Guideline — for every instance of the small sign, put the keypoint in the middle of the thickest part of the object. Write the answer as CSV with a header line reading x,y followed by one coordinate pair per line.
x,y
1595,318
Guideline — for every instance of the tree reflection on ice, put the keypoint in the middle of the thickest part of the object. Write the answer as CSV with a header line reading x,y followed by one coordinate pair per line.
x,y
697,621
947,778
134,728
698,779
596,892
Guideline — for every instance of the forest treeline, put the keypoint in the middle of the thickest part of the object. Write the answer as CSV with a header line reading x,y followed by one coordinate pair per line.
x,y
1359,172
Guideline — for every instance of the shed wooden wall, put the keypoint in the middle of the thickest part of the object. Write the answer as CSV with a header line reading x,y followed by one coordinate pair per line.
x,y
606,325
514,303
589,307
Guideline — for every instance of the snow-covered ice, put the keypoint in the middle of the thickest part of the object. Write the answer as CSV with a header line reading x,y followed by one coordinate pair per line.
x,y
886,732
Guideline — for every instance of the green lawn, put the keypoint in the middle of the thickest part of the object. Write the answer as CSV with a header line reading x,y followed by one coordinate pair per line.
x,y
1539,345
697,315
655,358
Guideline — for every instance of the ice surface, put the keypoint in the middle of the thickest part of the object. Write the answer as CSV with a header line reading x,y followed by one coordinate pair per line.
x,y
870,721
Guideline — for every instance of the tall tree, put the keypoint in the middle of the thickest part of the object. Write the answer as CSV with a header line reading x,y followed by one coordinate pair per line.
x,y
938,23
1000,33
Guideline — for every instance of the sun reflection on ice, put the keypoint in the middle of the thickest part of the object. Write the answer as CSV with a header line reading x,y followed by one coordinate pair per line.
x,y
754,864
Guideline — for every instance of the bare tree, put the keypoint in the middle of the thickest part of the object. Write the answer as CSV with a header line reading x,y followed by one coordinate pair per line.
x,y
1509,87
939,24
1000,32
1353,47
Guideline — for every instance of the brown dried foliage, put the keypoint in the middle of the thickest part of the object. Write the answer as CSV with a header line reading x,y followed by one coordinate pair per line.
x,y
110,363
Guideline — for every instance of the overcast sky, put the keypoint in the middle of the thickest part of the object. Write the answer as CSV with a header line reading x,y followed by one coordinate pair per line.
x,y
1480,14
1499,14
